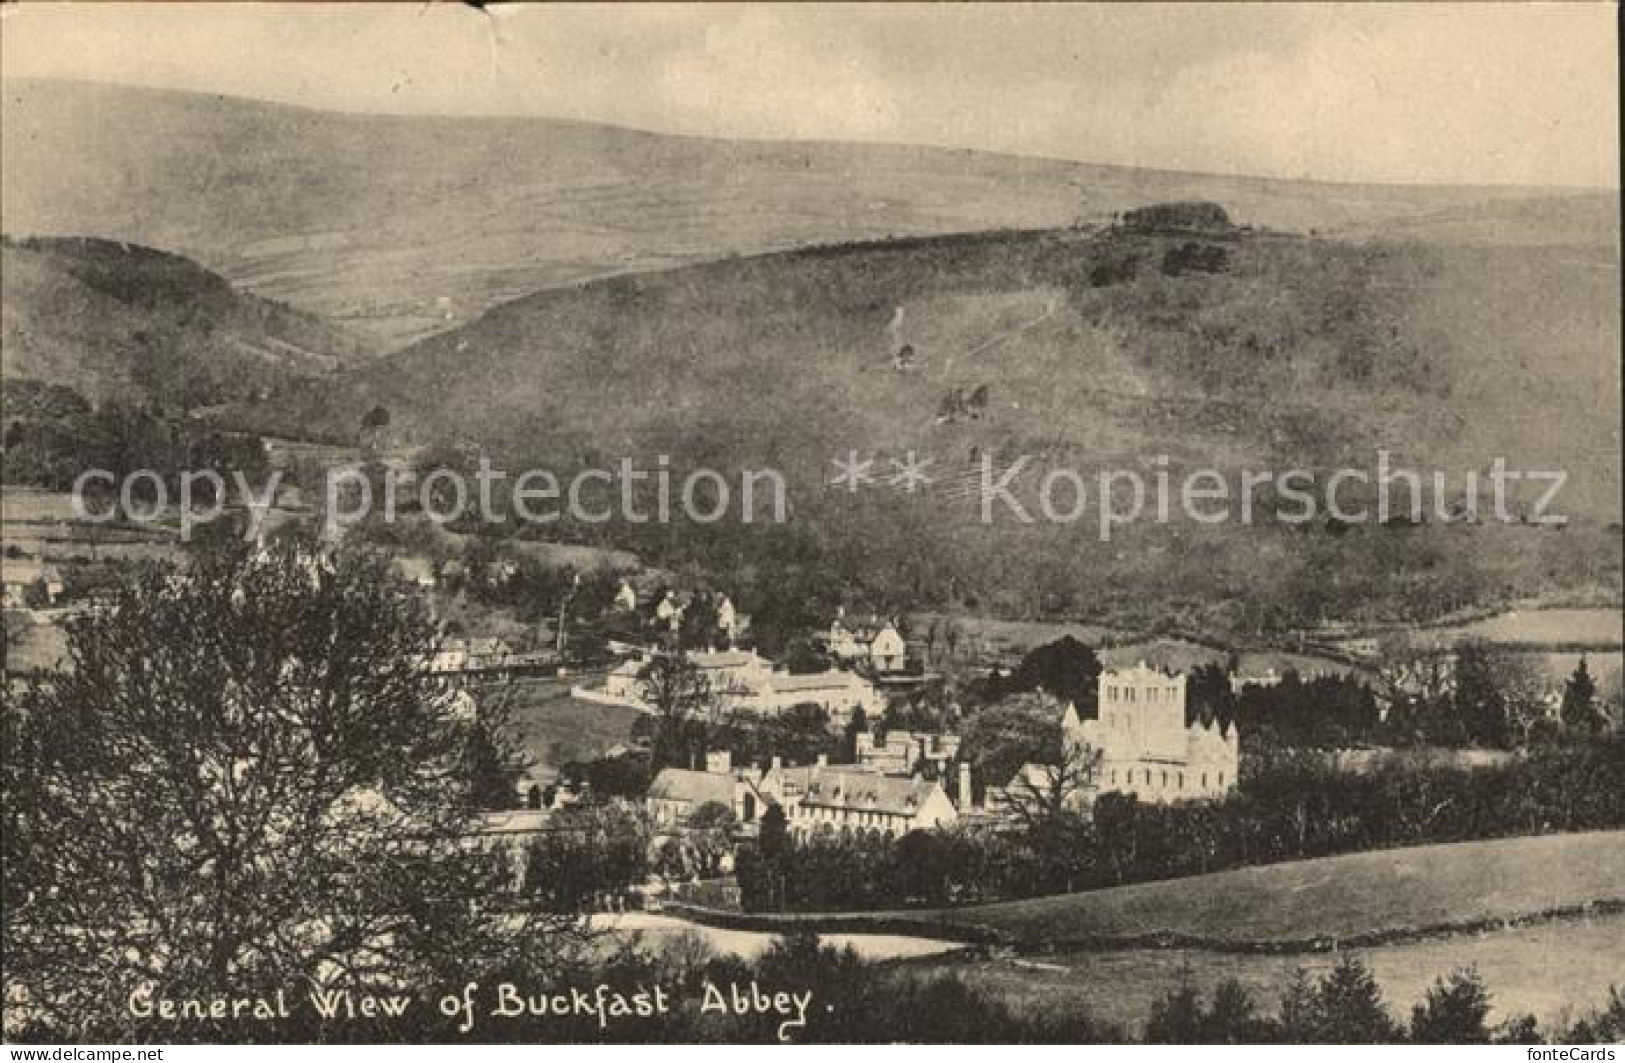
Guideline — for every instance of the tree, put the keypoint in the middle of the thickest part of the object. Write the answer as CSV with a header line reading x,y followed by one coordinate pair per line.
x,y
1453,1012
1497,695
15,625
1176,1019
683,701
1348,1007
698,628
761,868
1043,793
1417,686
802,657
858,724
1065,669
245,781
1020,730
1298,1010
591,851
1209,696
491,769
37,595
1232,1018
1581,710
710,836
1605,1025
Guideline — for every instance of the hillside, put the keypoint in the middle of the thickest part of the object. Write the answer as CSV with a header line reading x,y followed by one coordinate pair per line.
x,y
125,321
407,225
1098,351
1354,898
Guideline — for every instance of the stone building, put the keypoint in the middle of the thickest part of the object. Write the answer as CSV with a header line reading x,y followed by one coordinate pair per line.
x,y
1146,747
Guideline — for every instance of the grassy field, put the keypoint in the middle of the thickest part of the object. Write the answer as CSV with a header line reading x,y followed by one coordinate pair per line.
x,y
1333,899
1552,626
1552,971
555,728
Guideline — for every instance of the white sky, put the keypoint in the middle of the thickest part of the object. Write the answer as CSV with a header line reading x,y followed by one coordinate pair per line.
x,y
1508,93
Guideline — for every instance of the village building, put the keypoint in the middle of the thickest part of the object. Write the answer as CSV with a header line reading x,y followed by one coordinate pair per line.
x,y
456,656
742,680
416,571
1145,745
1268,678
626,597
677,793
873,643
855,798
727,619
669,610
20,574
901,752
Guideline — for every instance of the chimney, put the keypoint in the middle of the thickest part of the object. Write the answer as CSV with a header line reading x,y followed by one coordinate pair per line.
x,y
719,762
778,762
966,794
823,760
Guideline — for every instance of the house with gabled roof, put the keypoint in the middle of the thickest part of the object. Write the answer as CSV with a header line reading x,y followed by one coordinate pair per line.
x,y
677,793
847,797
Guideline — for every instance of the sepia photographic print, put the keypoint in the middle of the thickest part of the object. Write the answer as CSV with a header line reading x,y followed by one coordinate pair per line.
x,y
713,524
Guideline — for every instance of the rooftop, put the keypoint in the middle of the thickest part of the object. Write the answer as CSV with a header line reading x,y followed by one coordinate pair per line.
x,y
695,787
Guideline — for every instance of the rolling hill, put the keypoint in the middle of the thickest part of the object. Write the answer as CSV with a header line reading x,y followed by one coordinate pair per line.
x,y
1300,352
1356,898
574,294
1350,901
113,320
404,226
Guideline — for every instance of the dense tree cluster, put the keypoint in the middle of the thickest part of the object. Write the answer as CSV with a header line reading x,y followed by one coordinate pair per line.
x,y
52,434
245,781
1291,807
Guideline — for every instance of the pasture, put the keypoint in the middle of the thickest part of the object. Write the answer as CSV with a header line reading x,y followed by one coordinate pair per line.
x,y
1334,899
1550,970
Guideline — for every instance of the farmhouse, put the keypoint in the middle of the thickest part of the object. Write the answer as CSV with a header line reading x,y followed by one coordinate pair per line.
x,y
1146,748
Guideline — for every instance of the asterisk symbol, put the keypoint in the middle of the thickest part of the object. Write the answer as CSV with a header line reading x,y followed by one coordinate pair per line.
x,y
854,472
910,475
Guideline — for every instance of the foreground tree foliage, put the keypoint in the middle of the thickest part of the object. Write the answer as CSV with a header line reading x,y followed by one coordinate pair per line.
x,y
244,782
